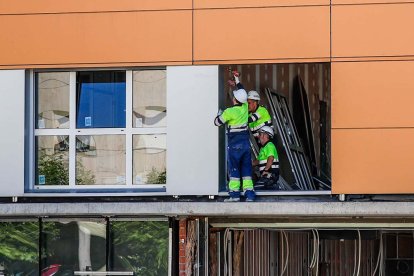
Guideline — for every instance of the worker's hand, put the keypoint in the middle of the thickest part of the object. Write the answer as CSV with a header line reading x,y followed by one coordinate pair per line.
x,y
219,112
235,73
265,174
232,83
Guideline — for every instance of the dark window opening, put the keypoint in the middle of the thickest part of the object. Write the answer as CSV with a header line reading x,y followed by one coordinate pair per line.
x,y
298,98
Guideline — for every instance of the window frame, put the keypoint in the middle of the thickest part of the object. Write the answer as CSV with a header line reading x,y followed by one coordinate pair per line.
x,y
129,131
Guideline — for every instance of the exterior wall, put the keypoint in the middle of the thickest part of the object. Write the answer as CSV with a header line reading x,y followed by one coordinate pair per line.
x,y
12,138
368,42
192,138
373,59
215,40
96,39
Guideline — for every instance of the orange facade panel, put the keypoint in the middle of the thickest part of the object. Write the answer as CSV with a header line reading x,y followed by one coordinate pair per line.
x,y
372,94
96,38
54,6
372,161
372,30
263,34
350,2
204,4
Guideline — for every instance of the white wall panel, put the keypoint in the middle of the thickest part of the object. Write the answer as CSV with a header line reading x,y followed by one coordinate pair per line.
x,y
192,138
12,103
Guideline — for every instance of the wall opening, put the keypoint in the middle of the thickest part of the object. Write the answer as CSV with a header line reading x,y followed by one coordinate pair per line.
x,y
298,98
311,251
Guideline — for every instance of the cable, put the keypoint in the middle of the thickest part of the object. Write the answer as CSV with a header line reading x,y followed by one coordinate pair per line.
x,y
282,242
287,250
287,253
359,251
382,256
379,257
317,252
312,264
225,250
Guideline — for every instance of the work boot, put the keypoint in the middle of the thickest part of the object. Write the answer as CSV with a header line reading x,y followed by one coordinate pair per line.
x,y
234,197
250,195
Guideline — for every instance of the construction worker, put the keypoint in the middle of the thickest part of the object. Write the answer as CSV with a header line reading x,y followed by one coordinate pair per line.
x,y
268,159
258,115
239,157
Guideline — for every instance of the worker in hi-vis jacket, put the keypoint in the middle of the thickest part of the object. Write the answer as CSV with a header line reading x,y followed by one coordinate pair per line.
x,y
238,149
258,115
268,159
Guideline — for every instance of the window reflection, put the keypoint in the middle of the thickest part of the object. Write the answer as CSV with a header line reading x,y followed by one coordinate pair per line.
x,y
140,246
52,159
149,98
69,246
149,164
19,248
101,99
52,100
100,159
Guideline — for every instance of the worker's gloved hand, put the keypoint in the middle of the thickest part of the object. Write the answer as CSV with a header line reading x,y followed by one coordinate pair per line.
x,y
219,112
235,73
236,76
265,174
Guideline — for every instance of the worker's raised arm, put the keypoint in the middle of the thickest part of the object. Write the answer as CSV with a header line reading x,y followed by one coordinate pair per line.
x,y
239,85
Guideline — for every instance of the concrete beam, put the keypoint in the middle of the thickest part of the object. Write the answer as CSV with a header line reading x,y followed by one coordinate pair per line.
x,y
212,209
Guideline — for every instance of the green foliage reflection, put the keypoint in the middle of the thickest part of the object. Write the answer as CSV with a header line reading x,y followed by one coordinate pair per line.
x,y
157,177
141,247
19,247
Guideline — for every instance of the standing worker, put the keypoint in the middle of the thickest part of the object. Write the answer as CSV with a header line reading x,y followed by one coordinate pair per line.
x,y
268,159
258,115
239,157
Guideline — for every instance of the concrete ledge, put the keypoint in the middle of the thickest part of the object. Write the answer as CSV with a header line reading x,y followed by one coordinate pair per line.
x,y
213,209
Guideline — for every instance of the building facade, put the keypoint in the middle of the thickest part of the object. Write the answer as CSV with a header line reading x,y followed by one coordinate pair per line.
x,y
110,160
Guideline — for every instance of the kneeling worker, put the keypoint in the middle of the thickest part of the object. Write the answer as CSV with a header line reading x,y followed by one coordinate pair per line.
x,y
239,157
268,159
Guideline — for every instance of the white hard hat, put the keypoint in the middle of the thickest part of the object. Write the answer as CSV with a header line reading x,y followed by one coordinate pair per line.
x,y
253,95
267,129
240,95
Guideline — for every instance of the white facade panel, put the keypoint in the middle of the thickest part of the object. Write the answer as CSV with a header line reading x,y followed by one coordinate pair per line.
x,y
12,95
192,138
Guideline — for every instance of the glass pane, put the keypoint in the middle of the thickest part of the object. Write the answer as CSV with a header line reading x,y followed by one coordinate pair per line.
x,y
73,246
149,98
52,100
140,246
101,99
149,158
52,160
100,159
19,248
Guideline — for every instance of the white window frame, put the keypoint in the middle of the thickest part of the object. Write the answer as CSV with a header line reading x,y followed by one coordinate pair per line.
x,y
72,132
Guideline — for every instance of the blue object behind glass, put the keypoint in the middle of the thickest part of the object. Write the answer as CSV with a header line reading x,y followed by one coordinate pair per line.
x,y
101,104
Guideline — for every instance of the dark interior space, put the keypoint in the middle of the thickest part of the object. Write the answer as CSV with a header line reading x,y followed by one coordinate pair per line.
x,y
298,98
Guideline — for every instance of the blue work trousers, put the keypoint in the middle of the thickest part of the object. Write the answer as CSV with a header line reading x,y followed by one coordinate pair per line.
x,y
239,161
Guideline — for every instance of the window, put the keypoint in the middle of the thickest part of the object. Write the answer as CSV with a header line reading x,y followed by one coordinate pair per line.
x,y
99,129
19,243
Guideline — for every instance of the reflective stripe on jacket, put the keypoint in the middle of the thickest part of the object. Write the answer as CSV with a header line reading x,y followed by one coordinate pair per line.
x,y
258,119
266,151
235,118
